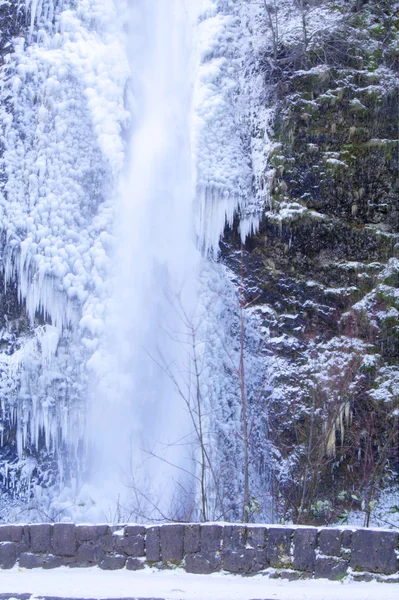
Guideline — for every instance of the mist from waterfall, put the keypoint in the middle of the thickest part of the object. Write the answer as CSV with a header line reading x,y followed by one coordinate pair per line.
x,y
139,427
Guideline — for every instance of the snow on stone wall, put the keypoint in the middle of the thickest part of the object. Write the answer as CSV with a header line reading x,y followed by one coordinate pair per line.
x,y
293,552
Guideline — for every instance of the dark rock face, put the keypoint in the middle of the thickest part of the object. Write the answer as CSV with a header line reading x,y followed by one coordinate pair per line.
x,y
12,23
322,272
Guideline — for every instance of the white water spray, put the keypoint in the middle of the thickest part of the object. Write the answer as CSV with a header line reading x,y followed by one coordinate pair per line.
x,y
137,415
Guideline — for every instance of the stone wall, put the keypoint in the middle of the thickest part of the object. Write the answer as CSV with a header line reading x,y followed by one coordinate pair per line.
x,y
295,552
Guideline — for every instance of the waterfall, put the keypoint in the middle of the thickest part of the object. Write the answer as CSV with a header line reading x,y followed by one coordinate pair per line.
x,y
138,419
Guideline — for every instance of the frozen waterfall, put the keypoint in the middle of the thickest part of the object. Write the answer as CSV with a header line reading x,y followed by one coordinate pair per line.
x,y
124,157
138,419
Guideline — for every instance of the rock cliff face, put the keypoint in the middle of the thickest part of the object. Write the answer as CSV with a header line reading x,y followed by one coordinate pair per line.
x,y
322,272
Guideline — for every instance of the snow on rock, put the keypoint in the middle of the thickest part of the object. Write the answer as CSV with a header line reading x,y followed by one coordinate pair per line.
x,y
222,146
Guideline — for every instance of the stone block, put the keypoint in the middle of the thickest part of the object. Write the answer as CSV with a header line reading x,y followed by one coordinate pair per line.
x,y
234,537
346,539
8,555
53,562
135,530
171,537
374,551
134,564
88,554
330,542
132,545
102,529
40,536
330,567
304,549
191,538
291,575
256,536
112,563
211,538
239,561
63,539
85,533
261,561
11,533
30,561
203,563
279,546
106,542
152,544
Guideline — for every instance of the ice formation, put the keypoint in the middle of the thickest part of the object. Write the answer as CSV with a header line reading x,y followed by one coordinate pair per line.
x,y
62,117
220,128
125,156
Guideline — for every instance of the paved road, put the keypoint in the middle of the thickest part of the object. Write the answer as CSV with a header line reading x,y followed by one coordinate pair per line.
x,y
28,596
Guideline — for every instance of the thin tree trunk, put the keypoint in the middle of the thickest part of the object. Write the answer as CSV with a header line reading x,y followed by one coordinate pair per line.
x,y
200,429
241,371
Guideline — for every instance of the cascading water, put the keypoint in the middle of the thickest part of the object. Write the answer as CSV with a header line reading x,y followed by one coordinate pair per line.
x,y
137,417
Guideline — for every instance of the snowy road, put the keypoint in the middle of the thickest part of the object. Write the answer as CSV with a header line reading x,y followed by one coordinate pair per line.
x,y
177,585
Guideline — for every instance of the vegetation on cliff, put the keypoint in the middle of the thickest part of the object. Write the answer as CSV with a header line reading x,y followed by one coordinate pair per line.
x,y
324,261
